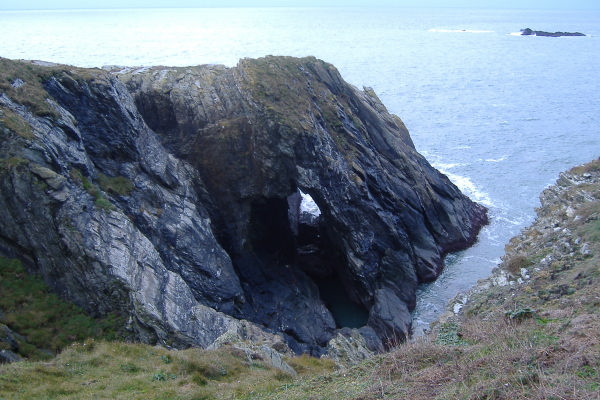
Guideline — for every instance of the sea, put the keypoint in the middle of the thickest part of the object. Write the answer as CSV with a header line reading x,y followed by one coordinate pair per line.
x,y
500,114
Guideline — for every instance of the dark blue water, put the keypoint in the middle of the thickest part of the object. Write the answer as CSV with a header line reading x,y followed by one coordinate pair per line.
x,y
502,115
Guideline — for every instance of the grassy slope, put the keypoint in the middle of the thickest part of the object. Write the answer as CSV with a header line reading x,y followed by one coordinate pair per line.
x,y
539,339
46,323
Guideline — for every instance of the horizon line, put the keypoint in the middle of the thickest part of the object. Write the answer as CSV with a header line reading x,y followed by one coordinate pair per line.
x,y
290,6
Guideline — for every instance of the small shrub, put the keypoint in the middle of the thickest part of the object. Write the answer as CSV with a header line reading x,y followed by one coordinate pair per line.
x,y
520,314
515,263
449,335
163,376
129,367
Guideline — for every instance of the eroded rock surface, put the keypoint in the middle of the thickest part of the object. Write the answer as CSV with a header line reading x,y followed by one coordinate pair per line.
x,y
172,194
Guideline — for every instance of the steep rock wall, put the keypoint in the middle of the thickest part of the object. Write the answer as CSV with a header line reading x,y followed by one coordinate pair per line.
x,y
166,193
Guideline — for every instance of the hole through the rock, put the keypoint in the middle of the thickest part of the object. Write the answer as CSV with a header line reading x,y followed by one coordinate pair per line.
x,y
316,256
289,232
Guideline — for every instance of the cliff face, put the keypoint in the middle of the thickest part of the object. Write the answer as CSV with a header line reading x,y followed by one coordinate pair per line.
x,y
173,195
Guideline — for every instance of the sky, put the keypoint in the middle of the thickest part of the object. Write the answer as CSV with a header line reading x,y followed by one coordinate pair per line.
x,y
75,4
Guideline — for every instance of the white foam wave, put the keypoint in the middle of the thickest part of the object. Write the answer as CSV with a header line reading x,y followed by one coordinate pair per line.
x,y
515,34
446,166
514,222
459,30
308,205
467,186
496,159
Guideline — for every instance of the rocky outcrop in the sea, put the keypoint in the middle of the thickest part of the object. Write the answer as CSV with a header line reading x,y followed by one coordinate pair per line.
x,y
175,195
530,32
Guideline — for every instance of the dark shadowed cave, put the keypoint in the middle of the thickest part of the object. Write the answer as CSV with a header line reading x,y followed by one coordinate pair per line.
x,y
281,233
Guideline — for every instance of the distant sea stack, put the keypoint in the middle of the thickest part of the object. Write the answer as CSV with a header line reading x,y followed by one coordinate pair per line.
x,y
177,197
529,32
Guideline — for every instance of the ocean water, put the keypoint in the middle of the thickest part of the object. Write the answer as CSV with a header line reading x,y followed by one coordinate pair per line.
x,y
500,114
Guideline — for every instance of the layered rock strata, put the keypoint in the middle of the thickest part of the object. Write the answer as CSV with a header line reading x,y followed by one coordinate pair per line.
x,y
173,195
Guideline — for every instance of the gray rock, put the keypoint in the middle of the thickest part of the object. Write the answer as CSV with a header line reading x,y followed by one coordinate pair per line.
x,y
199,248
349,347
9,338
254,146
7,356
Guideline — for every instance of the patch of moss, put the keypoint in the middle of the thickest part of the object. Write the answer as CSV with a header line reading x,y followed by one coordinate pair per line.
x,y
23,83
449,335
116,185
592,166
100,199
15,123
48,322
12,163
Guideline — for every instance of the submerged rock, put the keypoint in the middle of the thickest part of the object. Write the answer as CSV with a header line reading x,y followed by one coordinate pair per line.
x,y
174,195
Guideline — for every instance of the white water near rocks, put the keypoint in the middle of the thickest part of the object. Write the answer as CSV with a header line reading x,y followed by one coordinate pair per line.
x,y
308,205
500,114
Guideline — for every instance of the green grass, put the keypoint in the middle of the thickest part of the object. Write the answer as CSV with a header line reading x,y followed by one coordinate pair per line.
x,y
47,322
111,370
31,93
593,166
15,123
116,185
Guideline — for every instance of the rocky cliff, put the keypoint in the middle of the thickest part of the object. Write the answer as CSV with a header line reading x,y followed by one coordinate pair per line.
x,y
177,195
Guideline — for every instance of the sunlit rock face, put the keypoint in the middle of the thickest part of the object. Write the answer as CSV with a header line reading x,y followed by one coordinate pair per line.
x,y
272,192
